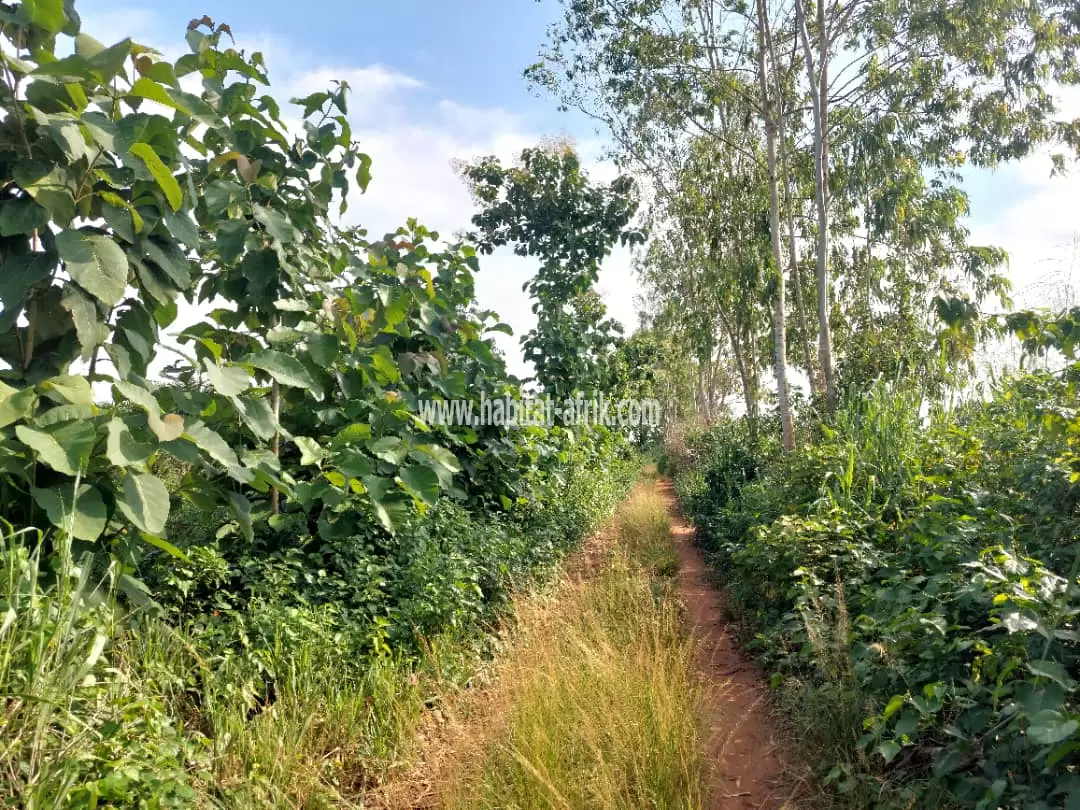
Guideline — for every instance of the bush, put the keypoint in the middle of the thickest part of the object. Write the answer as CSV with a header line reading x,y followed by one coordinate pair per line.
x,y
918,574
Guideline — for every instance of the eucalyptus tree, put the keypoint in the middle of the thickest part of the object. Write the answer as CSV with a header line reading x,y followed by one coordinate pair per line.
x,y
661,74
944,76
682,307
938,83
721,213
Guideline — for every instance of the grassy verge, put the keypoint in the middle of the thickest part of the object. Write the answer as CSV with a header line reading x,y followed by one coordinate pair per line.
x,y
290,698
162,726
597,704
644,530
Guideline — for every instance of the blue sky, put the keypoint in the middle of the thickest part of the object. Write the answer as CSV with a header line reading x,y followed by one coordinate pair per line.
x,y
472,51
437,81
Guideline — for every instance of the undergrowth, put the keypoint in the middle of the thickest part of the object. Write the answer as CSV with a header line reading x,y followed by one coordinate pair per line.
x,y
258,685
910,580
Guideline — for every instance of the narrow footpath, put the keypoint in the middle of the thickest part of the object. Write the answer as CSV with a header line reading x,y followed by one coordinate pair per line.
x,y
746,769
742,764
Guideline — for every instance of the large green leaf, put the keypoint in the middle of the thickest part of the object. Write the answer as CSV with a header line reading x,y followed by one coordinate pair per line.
x,y
151,90
64,413
90,329
421,482
21,215
136,592
164,545
47,449
107,63
389,448
153,281
20,274
257,415
388,505
1053,670
144,500
311,452
286,370
212,444
166,429
122,448
240,508
49,14
350,434
443,456
65,448
68,388
87,46
171,261
385,367
96,262
51,186
323,349
162,176
228,381
352,463
1051,726
183,228
276,224
85,520
15,404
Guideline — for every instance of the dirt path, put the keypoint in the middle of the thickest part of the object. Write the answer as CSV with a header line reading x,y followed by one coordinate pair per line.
x,y
746,768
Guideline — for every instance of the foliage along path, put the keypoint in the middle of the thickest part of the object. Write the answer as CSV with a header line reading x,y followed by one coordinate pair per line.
x,y
746,767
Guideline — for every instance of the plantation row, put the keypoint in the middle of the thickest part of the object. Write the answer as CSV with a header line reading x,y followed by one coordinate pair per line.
x,y
235,579
912,584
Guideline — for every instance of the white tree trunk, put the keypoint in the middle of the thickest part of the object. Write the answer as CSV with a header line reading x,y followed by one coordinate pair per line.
x,y
769,109
819,98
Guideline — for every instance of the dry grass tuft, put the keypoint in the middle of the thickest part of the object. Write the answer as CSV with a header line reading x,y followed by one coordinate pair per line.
x,y
596,705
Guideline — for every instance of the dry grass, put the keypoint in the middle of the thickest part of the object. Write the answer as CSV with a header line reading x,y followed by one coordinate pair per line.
x,y
596,705
644,530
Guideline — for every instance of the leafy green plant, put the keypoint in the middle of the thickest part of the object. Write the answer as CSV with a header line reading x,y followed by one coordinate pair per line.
x,y
919,578
546,207
272,547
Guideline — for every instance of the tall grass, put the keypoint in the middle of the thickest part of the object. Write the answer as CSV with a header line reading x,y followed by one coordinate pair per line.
x,y
599,704
98,708
329,731
644,529
75,728
281,705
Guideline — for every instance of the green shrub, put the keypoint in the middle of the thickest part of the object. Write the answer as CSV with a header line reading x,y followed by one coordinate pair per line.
x,y
918,574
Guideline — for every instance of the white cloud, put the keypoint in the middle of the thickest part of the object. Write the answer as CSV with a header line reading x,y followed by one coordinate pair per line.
x,y
141,24
373,89
1038,227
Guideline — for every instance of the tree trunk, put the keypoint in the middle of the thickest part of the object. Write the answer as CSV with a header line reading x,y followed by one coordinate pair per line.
x,y
793,253
819,97
275,448
793,265
779,307
703,391
749,398
744,364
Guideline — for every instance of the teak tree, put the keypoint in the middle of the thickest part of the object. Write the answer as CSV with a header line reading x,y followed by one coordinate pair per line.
x,y
547,208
